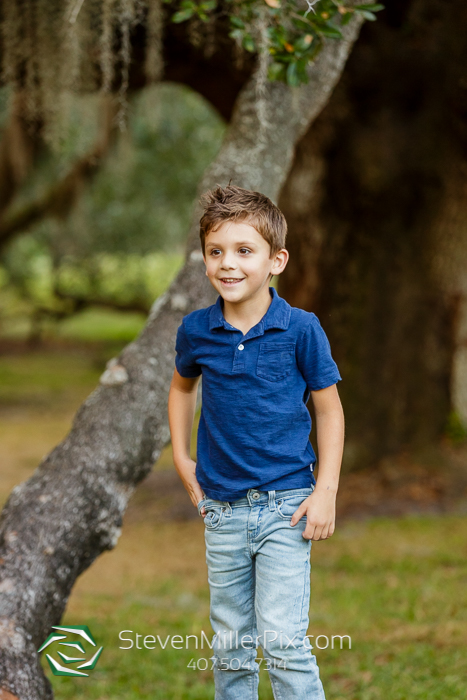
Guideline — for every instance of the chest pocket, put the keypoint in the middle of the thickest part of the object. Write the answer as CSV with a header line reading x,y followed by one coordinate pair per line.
x,y
275,360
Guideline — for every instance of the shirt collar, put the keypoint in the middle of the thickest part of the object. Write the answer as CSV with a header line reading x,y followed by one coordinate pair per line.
x,y
277,315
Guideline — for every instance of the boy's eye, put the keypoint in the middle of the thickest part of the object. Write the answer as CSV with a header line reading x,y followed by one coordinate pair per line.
x,y
215,251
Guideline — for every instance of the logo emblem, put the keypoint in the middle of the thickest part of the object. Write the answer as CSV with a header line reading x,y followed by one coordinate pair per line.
x,y
73,651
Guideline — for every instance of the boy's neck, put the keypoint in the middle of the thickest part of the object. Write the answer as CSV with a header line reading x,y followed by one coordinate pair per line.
x,y
245,315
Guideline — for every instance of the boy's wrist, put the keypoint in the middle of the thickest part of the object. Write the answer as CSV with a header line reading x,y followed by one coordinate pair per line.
x,y
330,489
183,462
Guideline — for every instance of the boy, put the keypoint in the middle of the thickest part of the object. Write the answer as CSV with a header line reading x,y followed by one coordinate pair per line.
x,y
253,481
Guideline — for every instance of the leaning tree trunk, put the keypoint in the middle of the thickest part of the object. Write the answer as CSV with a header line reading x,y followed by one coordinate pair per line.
x,y
378,239
56,524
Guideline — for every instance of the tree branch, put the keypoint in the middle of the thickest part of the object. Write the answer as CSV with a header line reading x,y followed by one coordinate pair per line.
x,y
19,147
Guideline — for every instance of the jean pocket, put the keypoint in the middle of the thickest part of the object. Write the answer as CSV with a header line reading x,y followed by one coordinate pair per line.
x,y
214,514
275,360
287,506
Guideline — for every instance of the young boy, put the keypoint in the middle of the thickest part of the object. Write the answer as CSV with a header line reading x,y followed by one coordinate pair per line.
x,y
253,481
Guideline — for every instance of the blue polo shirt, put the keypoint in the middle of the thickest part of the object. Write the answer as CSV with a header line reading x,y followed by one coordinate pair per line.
x,y
254,426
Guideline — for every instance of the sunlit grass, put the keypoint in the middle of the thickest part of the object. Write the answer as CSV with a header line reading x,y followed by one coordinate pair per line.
x,y
102,324
393,586
397,587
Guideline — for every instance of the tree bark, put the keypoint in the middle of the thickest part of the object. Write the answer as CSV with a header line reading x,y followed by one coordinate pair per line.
x,y
378,239
55,524
19,147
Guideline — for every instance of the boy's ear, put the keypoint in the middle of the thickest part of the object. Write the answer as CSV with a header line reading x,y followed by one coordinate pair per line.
x,y
281,260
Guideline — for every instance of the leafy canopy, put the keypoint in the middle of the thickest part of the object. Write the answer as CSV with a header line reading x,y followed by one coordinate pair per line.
x,y
293,36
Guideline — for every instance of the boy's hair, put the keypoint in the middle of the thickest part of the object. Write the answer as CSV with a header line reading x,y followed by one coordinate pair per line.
x,y
233,203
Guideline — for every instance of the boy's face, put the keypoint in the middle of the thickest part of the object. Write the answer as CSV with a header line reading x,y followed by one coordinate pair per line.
x,y
238,263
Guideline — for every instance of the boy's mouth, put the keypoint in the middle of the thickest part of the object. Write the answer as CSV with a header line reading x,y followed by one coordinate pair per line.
x,y
231,281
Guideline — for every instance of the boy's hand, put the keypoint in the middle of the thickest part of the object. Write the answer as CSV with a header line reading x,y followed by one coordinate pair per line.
x,y
320,509
187,473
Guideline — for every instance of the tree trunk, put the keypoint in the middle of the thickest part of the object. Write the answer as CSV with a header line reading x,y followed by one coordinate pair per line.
x,y
19,147
379,232
56,524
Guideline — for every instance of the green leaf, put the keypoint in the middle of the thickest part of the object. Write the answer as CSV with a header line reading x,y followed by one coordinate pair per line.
x,y
285,57
277,71
248,43
236,34
331,32
208,5
346,18
375,7
276,34
367,15
237,22
303,43
315,49
182,16
293,79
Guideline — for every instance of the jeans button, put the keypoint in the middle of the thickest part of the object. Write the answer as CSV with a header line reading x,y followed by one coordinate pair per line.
x,y
256,495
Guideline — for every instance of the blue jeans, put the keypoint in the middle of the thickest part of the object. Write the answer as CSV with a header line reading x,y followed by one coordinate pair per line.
x,y
259,579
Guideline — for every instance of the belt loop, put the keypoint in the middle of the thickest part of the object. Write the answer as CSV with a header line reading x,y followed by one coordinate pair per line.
x,y
271,501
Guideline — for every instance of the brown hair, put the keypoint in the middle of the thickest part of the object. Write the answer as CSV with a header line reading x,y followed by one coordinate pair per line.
x,y
233,203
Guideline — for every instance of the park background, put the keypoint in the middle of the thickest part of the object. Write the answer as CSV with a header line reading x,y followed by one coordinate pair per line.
x,y
97,196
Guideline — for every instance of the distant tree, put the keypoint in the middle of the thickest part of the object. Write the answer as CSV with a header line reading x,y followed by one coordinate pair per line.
x,y
137,204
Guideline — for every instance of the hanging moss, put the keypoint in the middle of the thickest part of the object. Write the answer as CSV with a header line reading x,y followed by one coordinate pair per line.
x,y
49,47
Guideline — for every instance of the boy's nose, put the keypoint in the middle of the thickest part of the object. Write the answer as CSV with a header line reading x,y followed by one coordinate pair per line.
x,y
228,262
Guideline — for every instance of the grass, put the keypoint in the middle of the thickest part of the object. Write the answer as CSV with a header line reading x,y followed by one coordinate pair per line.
x,y
104,324
396,586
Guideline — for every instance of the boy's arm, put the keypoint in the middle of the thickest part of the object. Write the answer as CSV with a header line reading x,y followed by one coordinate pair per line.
x,y
181,407
320,506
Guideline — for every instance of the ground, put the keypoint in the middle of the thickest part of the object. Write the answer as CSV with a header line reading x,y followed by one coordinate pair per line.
x,y
393,576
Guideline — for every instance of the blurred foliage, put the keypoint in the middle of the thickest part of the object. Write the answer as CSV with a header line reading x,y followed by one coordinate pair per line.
x,y
142,199
456,430
290,32
32,288
124,240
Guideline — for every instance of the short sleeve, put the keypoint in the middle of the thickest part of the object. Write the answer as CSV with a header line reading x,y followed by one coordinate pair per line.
x,y
314,357
184,360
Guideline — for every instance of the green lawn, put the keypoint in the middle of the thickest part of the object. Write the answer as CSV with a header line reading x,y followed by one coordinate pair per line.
x,y
396,587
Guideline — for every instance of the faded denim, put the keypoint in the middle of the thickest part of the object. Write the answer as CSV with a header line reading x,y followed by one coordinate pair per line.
x,y
259,578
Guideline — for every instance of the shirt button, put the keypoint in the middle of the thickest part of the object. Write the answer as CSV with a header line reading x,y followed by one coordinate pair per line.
x,y
256,495
241,347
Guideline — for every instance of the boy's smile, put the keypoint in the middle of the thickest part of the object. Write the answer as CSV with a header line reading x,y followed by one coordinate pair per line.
x,y
238,263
